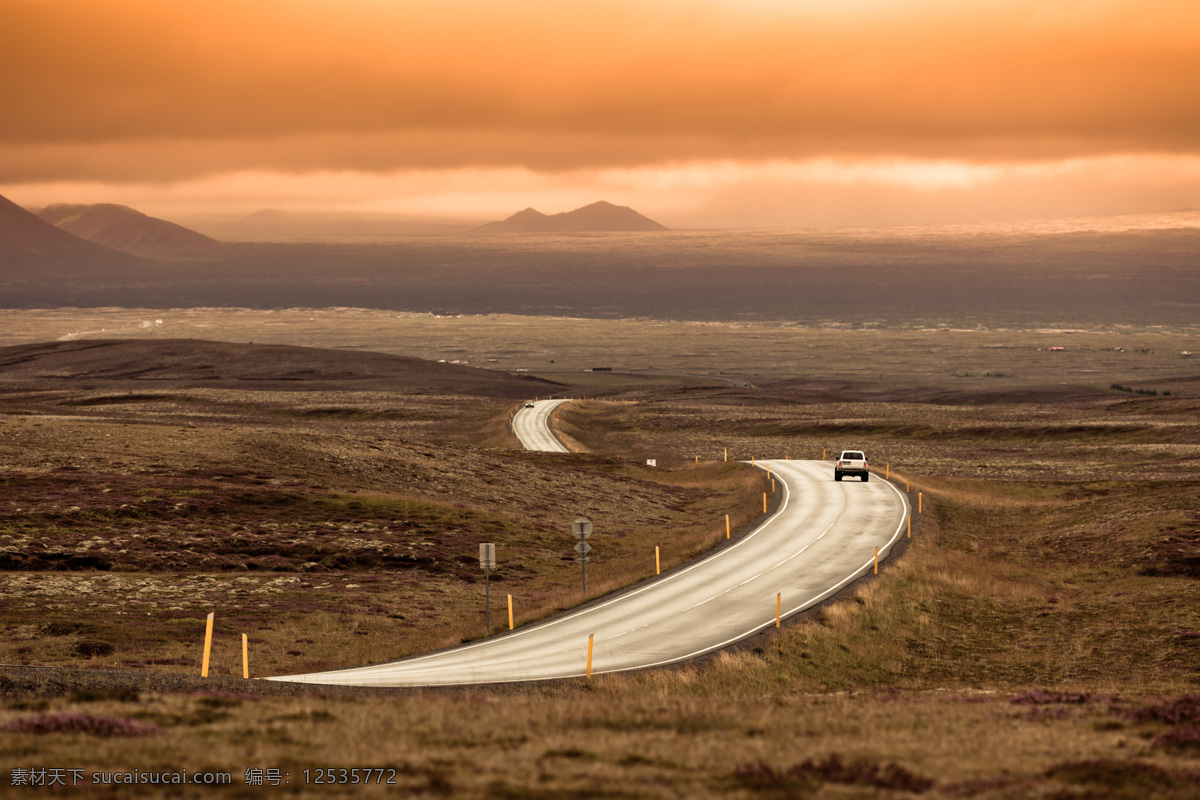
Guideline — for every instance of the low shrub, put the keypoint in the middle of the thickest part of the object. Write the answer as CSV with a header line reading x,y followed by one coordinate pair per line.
x,y
1180,711
859,772
1179,739
91,649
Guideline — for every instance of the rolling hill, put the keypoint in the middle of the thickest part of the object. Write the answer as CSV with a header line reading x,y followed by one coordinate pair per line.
x,y
170,363
34,250
594,218
131,231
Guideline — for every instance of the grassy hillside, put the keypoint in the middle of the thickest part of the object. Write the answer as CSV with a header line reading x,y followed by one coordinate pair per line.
x,y
1037,637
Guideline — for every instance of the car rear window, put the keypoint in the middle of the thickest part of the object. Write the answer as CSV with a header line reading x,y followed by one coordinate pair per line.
x,y
853,455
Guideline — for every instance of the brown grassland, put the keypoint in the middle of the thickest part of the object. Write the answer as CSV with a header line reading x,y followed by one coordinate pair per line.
x,y
1038,637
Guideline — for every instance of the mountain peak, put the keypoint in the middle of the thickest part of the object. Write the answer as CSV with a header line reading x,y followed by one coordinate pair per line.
x,y
528,213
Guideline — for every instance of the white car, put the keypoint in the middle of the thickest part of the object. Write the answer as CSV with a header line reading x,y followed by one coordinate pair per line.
x,y
852,462
529,404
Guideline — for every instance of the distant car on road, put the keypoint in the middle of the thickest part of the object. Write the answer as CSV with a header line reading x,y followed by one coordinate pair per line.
x,y
851,462
529,404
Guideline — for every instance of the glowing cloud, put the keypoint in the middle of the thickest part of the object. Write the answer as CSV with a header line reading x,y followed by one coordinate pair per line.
x,y
925,94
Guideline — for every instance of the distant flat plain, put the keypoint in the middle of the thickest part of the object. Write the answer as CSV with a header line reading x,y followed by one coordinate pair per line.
x,y
961,277
900,362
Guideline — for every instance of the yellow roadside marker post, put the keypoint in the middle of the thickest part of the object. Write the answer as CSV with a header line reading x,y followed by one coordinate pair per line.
x,y
876,560
919,502
726,456
726,526
245,657
657,563
910,526
888,476
764,502
510,616
822,453
207,646
778,604
772,486
591,636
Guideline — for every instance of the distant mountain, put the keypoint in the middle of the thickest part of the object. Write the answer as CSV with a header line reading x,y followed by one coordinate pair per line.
x,y
126,229
598,217
32,248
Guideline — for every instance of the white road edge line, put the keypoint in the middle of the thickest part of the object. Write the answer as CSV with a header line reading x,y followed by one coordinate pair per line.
x,y
546,424
580,612
712,648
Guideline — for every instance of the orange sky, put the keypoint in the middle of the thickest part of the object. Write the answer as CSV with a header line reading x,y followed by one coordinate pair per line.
x,y
692,110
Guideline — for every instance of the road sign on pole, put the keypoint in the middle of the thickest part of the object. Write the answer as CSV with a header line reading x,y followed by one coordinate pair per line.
x,y
582,528
487,560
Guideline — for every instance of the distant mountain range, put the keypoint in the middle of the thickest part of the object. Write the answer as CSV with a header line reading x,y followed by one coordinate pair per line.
x,y
131,231
597,217
1140,270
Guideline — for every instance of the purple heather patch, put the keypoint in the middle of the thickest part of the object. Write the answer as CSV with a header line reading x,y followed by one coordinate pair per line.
x,y
72,722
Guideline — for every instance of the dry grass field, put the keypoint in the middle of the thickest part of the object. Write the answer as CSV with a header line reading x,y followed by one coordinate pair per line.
x,y
1039,637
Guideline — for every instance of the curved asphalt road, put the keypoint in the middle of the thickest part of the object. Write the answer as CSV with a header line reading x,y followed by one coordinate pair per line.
x,y
822,537
532,427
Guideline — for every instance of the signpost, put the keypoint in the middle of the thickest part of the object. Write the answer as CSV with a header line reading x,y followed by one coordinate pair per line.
x,y
487,562
582,528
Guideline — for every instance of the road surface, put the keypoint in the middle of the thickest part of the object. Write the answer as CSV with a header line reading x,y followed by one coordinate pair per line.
x,y
821,538
532,427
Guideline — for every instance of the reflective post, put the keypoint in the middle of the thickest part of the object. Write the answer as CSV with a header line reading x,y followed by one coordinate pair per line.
x,y
207,645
